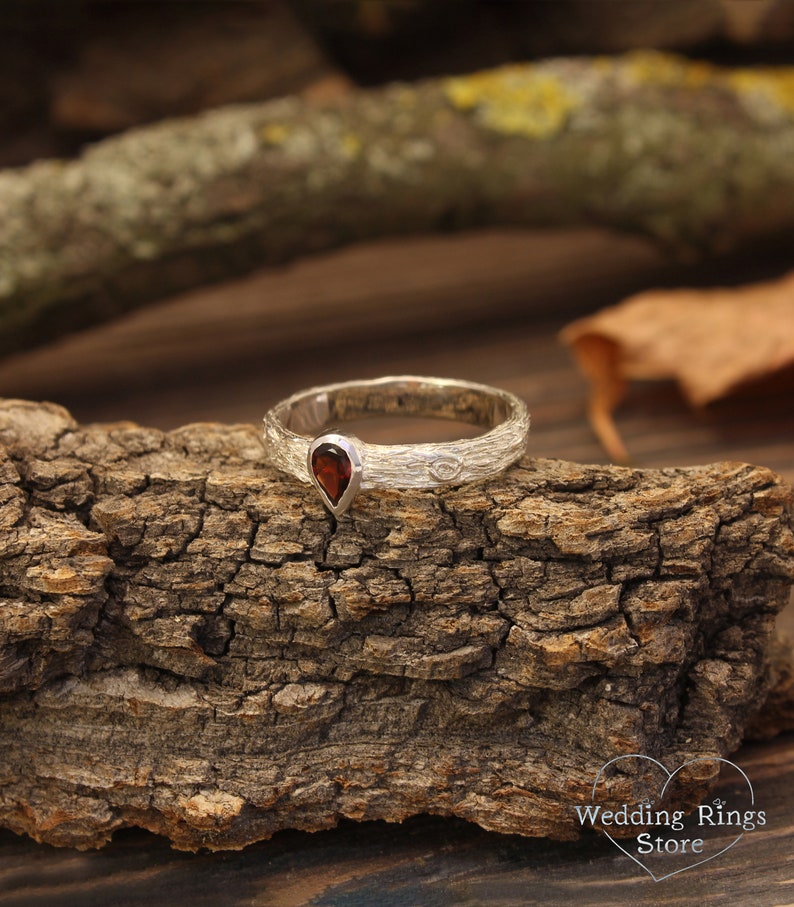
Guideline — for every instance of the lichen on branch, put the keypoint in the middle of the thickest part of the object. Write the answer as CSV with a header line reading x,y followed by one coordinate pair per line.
x,y
698,158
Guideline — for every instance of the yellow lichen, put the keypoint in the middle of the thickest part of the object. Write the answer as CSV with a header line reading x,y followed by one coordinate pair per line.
x,y
775,84
275,133
772,84
668,70
351,145
518,100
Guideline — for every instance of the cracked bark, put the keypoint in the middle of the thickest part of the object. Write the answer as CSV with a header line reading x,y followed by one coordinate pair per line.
x,y
190,643
693,156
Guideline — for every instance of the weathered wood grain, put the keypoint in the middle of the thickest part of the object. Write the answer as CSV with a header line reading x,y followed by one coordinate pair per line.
x,y
426,860
193,645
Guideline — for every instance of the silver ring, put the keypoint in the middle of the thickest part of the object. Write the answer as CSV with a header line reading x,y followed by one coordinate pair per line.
x,y
303,436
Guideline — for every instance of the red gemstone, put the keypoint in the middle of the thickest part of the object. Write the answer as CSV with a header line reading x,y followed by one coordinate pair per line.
x,y
332,469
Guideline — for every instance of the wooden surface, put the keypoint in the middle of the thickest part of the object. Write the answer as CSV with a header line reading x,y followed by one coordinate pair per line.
x,y
490,306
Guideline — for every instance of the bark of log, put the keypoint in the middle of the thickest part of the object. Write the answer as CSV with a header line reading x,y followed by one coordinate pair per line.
x,y
192,644
693,156
777,713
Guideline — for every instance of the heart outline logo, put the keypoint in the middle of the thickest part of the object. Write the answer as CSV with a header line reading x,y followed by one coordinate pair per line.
x,y
670,777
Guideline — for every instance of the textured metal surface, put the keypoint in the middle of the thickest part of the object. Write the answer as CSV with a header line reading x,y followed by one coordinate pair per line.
x,y
291,426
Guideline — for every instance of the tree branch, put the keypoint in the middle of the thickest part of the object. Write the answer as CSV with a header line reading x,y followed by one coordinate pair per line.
x,y
690,155
191,643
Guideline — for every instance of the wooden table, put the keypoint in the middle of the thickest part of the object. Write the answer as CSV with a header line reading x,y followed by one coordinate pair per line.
x,y
483,307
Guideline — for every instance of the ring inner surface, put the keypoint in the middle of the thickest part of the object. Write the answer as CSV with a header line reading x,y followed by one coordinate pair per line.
x,y
315,412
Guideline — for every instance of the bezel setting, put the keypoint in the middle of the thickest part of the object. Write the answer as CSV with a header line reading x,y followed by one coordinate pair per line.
x,y
320,413
347,444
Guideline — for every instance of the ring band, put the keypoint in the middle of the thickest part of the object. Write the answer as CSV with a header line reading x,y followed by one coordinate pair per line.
x,y
302,437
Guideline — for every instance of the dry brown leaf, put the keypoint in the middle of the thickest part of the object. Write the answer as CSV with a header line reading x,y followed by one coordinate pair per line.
x,y
710,341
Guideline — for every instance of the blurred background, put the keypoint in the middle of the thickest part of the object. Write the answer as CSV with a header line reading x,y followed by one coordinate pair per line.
x,y
483,305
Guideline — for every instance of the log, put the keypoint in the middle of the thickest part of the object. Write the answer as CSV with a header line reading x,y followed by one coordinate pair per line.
x,y
427,860
190,643
777,714
690,155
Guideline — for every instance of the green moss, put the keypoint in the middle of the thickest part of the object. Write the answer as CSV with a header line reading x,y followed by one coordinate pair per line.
x,y
515,100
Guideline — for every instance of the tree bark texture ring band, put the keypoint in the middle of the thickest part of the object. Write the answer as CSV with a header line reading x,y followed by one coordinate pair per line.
x,y
303,435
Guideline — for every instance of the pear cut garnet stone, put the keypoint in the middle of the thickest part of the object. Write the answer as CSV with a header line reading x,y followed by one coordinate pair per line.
x,y
332,469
